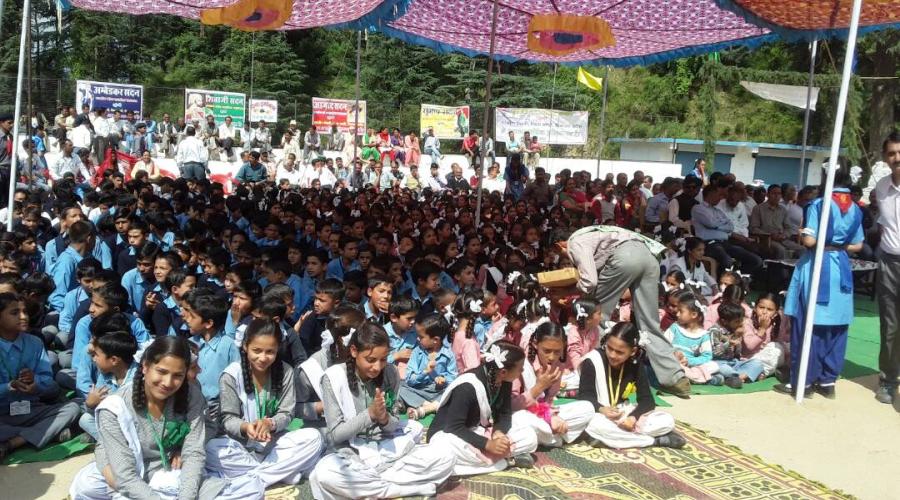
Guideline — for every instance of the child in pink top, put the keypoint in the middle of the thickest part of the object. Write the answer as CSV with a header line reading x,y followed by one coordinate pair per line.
x,y
733,294
463,343
534,393
582,332
767,334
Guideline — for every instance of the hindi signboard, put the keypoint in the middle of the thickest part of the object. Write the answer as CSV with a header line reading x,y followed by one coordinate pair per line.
x,y
198,104
111,96
448,122
550,126
340,112
263,109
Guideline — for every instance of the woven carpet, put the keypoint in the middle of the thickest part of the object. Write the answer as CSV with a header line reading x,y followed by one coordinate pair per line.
x,y
706,468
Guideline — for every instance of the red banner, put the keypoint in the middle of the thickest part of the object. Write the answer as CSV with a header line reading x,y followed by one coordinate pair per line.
x,y
340,112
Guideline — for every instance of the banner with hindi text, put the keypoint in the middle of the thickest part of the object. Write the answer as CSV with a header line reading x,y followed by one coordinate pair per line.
x,y
198,104
263,109
340,112
111,96
550,126
448,122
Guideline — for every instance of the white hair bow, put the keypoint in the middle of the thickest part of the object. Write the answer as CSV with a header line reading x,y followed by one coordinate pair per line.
x,y
355,213
580,312
496,355
696,284
657,229
681,243
607,327
544,303
643,339
698,304
512,277
666,287
475,306
734,270
520,308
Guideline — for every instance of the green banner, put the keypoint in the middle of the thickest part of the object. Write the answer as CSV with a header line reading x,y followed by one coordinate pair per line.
x,y
198,104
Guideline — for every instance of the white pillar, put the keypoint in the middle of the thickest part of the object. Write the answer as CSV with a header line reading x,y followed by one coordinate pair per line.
x,y
17,114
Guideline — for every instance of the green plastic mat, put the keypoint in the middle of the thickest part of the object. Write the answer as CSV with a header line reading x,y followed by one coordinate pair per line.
x,y
52,453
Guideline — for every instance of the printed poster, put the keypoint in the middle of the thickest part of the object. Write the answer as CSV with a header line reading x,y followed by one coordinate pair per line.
x,y
263,109
198,104
550,127
111,96
340,112
448,122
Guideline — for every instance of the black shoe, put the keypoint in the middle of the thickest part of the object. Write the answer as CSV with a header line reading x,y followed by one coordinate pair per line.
x,y
885,393
734,382
523,461
826,390
787,389
671,440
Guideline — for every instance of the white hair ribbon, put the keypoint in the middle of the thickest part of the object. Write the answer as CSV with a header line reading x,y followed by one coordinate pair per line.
x,y
475,306
496,355
545,303
580,312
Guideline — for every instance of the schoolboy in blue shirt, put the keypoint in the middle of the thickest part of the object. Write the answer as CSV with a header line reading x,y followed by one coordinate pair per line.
x,y
126,258
328,295
401,331
426,278
112,366
140,280
84,273
278,270
315,272
346,262
81,243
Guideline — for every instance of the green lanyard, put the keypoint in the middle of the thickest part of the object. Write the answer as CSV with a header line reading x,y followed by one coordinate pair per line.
x,y
265,404
159,440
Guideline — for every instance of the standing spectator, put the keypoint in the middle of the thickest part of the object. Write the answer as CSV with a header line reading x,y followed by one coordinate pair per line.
x,y
887,195
59,125
81,134
6,148
150,133
486,145
210,137
245,136
167,136
336,142
101,135
312,144
516,175
191,156
413,152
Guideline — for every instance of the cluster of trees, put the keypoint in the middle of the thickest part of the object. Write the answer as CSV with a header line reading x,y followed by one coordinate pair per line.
x,y
693,97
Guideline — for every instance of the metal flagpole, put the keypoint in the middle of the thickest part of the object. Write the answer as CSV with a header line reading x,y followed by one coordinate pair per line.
x,y
603,118
552,108
252,60
806,112
487,107
356,105
17,114
826,197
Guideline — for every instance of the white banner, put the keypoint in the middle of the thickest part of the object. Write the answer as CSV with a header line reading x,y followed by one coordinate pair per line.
x,y
550,127
792,95
263,109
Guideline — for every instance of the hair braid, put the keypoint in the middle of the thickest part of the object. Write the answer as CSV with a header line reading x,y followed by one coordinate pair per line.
x,y
245,372
532,352
276,376
351,375
180,406
138,398
470,327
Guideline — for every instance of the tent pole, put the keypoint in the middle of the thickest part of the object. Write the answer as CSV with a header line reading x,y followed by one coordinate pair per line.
x,y
826,207
252,59
552,109
487,109
806,112
17,114
356,105
1,17
603,117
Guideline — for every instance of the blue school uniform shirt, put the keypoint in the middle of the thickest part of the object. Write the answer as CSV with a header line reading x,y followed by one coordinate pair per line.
x,y
101,252
64,278
403,340
88,375
835,301
182,219
214,356
444,366
337,270
137,287
296,284
177,325
447,282
70,304
307,294
267,242
27,351
165,243
83,338
482,325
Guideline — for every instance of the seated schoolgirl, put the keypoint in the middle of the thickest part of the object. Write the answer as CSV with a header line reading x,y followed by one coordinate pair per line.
x,y
609,375
534,394
152,437
462,338
340,326
474,420
691,264
257,398
669,314
431,368
112,352
508,328
375,454
727,341
26,376
537,312
692,342
767,334
673,280
734,294
582,336
490,312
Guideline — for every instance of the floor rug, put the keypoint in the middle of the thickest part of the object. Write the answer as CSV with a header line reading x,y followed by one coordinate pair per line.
x,y
706,468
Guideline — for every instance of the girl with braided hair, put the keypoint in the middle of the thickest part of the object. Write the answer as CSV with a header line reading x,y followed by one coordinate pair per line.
x,y
582,336
609,375
376,455
534,393
152,436
257,398
466,308
474,418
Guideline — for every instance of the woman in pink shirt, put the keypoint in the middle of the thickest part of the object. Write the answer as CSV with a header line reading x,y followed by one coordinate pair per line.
x,y
462,341
534,393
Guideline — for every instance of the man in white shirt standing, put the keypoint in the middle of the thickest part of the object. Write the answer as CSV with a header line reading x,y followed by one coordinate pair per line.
x,y
312,144
101,135
226,138
81,134
192,156
887,195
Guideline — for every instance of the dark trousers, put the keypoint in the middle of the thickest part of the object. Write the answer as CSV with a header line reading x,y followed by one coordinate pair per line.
x,y
889,310
826,353
726,253
227,144
193,170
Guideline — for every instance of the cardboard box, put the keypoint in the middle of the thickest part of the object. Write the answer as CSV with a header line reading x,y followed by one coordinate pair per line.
x,y
560,278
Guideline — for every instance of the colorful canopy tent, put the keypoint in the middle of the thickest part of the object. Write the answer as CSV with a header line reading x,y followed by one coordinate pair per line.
x,y
814,19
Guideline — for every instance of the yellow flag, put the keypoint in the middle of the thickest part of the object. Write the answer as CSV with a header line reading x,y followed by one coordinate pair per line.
x,y
589,80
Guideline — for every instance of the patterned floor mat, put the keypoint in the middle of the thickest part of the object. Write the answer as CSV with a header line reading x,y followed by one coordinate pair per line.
x,y
706,468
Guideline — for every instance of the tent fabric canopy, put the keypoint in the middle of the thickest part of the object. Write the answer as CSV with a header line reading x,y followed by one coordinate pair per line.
x,y
304,14
808,19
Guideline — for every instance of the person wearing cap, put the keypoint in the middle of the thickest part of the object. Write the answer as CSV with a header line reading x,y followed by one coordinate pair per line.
x,y
225,138
191,155
336,143
312,144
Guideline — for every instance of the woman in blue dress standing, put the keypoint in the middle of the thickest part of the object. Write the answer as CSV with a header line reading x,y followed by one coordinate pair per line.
x,y
834,305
